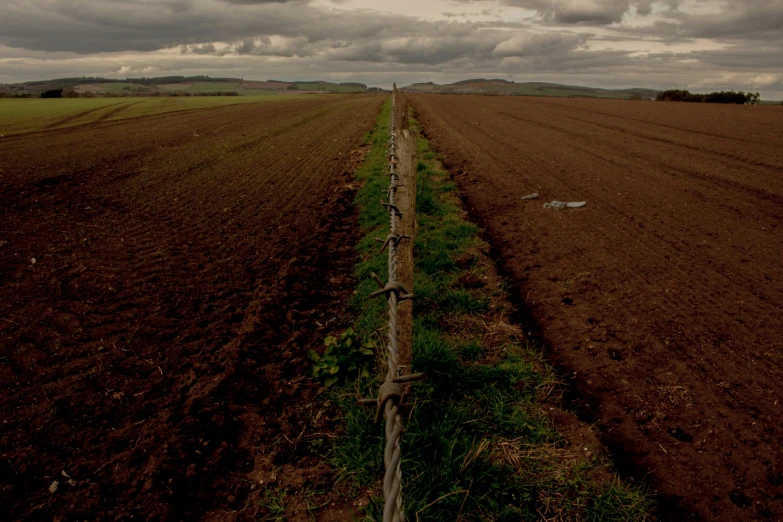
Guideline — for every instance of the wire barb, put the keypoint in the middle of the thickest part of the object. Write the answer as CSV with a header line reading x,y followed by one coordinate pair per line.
x,y
392,206
392,238
393,286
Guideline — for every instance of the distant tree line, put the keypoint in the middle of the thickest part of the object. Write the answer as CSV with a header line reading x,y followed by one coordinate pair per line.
x,y
60,93
175,94
175,79
52,93
481,80
65,83
70,93
212,93
726,97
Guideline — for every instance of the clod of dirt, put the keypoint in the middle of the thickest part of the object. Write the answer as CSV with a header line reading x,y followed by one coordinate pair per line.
x,y
469,280
680,435
464,261
739,499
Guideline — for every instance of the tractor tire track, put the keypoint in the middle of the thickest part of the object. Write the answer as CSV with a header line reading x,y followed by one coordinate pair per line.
x,y
76,116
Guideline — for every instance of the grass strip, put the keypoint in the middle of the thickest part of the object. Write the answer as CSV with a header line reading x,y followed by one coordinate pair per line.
x,y
477,444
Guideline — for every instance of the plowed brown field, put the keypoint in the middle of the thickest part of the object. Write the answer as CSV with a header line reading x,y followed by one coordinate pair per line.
x,y
663,297
161,280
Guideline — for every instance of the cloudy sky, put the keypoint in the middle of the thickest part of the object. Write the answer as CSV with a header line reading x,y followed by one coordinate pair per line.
x,y
696,44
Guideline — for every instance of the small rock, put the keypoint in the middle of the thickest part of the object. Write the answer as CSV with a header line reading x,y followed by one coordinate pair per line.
x,y
588,454
32,261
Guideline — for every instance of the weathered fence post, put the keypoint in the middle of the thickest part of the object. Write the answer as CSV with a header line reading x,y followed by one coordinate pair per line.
x,y
406,201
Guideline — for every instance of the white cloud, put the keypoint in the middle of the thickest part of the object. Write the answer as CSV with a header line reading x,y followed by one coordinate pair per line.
x,y
129,70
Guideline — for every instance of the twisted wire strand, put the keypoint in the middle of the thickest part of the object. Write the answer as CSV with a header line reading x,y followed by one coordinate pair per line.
x,y
392,480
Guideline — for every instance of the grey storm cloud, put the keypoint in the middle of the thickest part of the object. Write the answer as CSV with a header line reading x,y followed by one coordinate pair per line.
x,y
546,44
445,46
584,12
756,20
738,21
89,26
613,42
200,49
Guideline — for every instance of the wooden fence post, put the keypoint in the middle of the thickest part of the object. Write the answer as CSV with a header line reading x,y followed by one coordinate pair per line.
x,y
406,202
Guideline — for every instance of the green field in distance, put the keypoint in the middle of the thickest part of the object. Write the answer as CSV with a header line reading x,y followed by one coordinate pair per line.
x,y
18,116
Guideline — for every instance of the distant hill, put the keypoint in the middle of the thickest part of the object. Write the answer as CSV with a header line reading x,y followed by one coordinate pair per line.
x,y
505,87
173,85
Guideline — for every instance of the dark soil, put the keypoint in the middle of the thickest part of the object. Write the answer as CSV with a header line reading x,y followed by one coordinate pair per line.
x,y
662,299
161,281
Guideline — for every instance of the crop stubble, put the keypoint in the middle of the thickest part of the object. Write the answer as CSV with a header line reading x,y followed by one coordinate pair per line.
x,y
184,264
662,298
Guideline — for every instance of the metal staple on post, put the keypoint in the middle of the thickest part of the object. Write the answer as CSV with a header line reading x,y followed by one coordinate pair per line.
x,y
391,391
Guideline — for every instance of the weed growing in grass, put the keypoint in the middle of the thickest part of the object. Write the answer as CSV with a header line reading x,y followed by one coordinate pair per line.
x,y
476,444
345,357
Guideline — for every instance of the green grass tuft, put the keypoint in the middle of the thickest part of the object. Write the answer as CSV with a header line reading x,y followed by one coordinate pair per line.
x,y
620,502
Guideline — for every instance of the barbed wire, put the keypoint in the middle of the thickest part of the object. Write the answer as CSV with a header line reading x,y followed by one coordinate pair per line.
x,y
391,391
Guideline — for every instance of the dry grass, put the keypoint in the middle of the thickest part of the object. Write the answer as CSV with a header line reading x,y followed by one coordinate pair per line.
x,y
675,394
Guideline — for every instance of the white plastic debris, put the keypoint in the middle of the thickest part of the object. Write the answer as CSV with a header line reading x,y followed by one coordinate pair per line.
x,y
70,480
560,205
534,195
